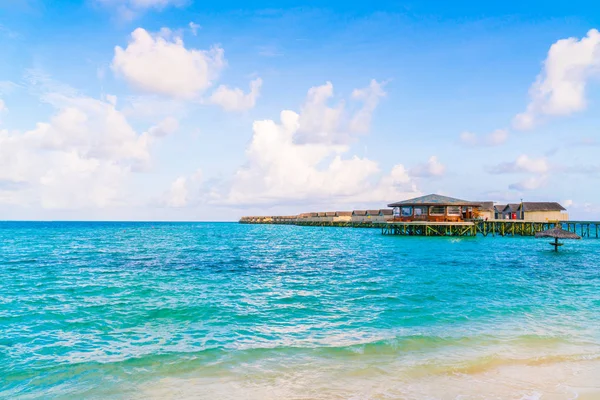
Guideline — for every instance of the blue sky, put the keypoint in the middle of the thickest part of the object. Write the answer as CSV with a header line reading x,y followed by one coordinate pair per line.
x,y
182,110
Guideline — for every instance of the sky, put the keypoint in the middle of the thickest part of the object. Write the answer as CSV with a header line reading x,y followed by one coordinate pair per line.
x,y
194,111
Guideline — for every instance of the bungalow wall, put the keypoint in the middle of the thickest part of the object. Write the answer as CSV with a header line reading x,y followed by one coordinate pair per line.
x,y
359,217
487,214
543,216
373,216
343,216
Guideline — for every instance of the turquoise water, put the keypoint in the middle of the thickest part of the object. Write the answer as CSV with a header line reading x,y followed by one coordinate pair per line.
x,y
222,310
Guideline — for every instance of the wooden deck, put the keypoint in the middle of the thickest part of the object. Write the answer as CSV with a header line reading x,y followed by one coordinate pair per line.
x,y
586,229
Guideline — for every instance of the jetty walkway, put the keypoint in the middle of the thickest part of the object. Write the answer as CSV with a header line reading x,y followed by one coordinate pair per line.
x,y
589,229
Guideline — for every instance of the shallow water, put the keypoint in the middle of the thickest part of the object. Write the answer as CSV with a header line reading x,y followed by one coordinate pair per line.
x,y
209,310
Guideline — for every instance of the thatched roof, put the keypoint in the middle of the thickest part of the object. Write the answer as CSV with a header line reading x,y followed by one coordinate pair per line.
x,y
372,212
359,212
557,232
386,211
433,200
343,213
542,206
330,214
321,214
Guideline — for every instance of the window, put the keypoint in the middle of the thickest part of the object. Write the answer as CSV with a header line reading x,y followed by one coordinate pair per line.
x,y
419,211
454,210
407,211
437,210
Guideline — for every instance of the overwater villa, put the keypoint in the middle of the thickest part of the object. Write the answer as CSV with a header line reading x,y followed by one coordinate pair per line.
x,y
542,211
431,208
435,208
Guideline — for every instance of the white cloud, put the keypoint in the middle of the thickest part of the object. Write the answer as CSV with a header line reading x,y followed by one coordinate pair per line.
x,y
82,157
495,138
432,168
560,87
149,108
184,191
178,193
567,203
236,99
531,183
162,65
361,121
3,106
194,28
165,127
523,163
320,123
280,169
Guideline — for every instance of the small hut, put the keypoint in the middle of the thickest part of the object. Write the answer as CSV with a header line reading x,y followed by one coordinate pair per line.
x,y
311,217
321,217
557,233
486,210
542,211
359,216
373,215
386,214
435,208
498,209
330,215
511,211
343,216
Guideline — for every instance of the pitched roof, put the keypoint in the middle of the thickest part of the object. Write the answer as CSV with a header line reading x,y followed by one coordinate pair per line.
x,y
432,200
485,205
359,212
372,212
500,207
386,211
330,214
542,206
343,213
512,207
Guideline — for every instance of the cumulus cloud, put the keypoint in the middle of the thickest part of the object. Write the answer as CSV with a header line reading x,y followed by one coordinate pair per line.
x,y
164,128
361,121
531,183
183,191
432,168
321,123
523,164
282,169
236,99
160,64
178,193
560,87
495,138
82,157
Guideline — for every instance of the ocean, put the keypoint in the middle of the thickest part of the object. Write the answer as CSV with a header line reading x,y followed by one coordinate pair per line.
x,y
93,310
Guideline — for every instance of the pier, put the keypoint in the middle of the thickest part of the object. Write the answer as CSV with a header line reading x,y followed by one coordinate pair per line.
x,y
437,215
585,229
